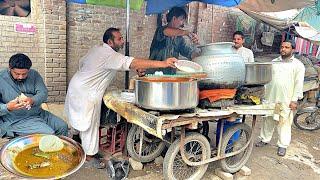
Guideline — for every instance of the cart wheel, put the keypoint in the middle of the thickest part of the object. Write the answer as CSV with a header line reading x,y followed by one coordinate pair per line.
x,y
197,149
234,139
151,145
308,120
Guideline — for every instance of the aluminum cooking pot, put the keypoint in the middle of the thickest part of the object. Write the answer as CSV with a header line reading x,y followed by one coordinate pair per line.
x,y
225,68
166,93
258,73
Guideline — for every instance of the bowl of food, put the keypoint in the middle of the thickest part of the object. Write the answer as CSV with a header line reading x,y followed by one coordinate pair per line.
x,y
42,156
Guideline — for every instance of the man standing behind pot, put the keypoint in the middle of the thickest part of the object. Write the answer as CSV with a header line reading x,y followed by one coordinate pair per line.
x,y
168,40
96,71
245,53
285,88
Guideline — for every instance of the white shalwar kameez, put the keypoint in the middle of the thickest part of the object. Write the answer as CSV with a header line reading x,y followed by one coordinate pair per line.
x,y
286,86
96,71
246,54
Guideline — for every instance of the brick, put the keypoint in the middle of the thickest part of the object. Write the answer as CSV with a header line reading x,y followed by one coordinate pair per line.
x,y
223,175
245,171
59,79
59,98
62,70
52,75
53,93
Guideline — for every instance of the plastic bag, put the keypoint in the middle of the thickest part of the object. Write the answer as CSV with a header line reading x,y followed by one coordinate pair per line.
x,y
118,169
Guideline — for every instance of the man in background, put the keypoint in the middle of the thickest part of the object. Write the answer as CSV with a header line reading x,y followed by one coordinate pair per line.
x,y
285,88
168,41
245,53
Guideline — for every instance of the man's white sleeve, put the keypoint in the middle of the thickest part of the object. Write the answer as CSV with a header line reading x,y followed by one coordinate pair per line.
x,y
119,61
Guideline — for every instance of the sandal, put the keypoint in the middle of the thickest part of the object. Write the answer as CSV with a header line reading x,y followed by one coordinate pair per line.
x,y
99,155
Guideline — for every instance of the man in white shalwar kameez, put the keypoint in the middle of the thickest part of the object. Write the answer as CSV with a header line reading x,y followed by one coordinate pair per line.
x,y
285,89
86,89
245,53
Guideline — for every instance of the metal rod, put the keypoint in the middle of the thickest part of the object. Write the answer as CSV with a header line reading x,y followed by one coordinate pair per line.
x,y
141,141
220,137
127,42
218,157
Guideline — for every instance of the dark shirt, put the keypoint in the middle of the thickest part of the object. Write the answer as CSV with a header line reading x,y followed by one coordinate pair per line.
x,y
163,47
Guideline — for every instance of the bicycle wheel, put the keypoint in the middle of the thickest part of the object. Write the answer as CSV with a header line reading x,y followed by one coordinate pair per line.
x,y
234,139
307,121
151,145
197,148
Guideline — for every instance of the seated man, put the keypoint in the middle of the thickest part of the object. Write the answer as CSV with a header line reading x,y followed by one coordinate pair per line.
x,y
22,92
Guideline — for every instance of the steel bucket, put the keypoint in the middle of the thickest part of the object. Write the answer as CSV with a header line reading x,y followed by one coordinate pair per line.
x,y
166,93
258,73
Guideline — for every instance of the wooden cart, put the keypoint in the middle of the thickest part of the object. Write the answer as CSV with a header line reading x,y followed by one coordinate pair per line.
x,y
189,151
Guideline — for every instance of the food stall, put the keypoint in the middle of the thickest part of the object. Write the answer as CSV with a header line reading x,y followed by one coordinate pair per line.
x,y
164,113
149,124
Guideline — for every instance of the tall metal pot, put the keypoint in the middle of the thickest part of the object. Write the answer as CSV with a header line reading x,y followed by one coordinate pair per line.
x,y
258,73
166,93
224,67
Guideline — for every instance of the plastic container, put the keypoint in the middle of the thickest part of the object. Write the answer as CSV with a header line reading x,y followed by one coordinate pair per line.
x,y
228,124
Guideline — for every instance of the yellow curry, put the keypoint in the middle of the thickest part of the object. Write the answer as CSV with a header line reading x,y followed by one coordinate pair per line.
x,y
33,162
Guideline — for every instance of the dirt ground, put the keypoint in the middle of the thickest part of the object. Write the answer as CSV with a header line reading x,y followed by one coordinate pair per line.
x,y
301,162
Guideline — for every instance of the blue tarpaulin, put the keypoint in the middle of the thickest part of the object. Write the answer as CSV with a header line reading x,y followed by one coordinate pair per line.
x,y
311,16
159,6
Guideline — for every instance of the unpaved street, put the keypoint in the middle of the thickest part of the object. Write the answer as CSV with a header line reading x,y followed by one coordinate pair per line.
x,y
301,162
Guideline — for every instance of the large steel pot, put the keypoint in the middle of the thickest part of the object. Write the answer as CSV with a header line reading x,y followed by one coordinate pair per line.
x,y
224,67
258,73
166,93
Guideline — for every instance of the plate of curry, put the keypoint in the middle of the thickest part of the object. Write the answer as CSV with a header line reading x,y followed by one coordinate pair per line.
x,y
22,157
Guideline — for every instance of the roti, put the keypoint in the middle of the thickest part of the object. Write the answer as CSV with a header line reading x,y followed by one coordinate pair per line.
x,y
50,143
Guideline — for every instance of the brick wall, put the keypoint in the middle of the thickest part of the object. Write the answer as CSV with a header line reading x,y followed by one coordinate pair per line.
x,y
32,45
87,24
213,23
55,49
46,48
